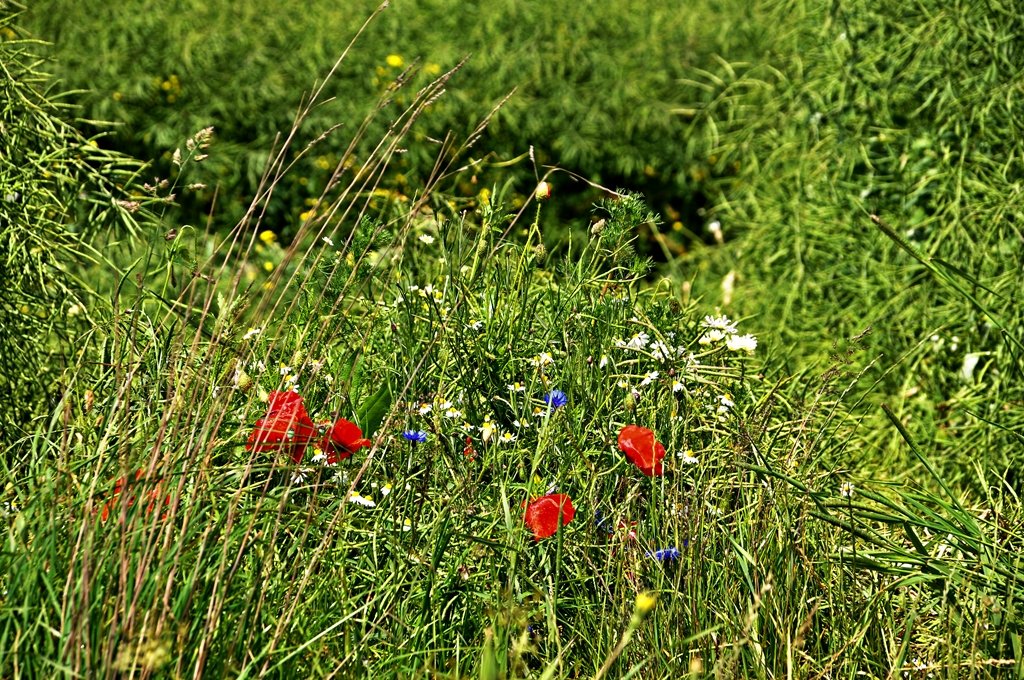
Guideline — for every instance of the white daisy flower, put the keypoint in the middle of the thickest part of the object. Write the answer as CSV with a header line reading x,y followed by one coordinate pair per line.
x,y
741,343
542,359
328,241
364,501
488,429
425,408
649,378
507,438
721,323
517,387
687,457
712,336
452,413
426,238
677,386
252,333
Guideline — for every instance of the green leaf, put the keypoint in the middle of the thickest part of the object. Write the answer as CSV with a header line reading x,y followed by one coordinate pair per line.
x,y
372,411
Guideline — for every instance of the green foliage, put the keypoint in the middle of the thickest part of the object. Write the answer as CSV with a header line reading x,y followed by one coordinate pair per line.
x,y
594,91
844,503
57,188
907,113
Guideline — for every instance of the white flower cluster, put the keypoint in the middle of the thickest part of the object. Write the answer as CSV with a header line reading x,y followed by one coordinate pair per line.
x,y
720,328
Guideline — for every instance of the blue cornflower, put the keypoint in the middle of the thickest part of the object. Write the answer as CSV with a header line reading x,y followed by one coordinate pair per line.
x,y
415,436
665,554
556,399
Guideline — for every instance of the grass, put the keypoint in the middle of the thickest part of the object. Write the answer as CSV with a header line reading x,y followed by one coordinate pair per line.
x,y
836,501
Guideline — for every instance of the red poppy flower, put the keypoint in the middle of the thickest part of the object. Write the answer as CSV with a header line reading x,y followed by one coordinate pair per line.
x,y
542,514
342,440
286,427
153,496
640,447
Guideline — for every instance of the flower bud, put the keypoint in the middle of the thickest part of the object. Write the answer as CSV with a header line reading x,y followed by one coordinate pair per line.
x,y
542,192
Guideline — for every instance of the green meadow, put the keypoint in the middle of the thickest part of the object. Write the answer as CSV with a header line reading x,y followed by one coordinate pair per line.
x,y
511,340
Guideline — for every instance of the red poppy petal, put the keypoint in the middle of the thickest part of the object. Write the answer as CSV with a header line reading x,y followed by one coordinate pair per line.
x,y
640,447
542,514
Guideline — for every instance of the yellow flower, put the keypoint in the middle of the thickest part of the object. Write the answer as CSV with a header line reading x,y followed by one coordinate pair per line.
x,y
394,61
645,602
268,236
269,266
432,69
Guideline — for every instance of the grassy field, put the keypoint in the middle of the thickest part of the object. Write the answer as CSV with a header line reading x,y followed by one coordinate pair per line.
x,y
700,355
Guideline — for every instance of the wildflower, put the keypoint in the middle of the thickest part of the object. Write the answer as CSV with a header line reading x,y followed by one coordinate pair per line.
x,y
517,388
741,343
545,514
328,240
415,436
724,404
518,425
425,408
406,524
488,429
119,486
687,457
556,399
364,501
342,440
649,378
603,362
284,370
286,427
542,192
645,603
677,386
259,366
660,351
721,323
394,61
542,359
426,238
469,451
507,438
385,490
642,449
268,236
712,336
252,333
665,554
319,457
476,325
846,490
268,266
451,412
638,341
